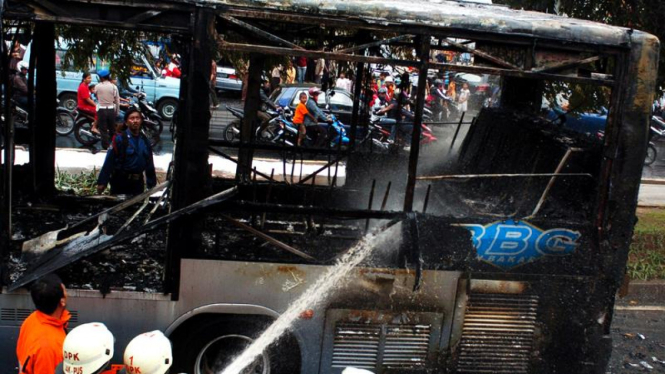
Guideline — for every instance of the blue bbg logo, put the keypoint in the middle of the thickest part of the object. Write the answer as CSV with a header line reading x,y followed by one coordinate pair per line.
x,y
509,243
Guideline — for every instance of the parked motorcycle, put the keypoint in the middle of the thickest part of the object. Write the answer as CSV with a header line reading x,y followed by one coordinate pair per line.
x,y
655,133
64,119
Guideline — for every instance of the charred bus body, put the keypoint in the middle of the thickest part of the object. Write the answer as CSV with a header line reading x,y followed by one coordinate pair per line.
x,y
513,230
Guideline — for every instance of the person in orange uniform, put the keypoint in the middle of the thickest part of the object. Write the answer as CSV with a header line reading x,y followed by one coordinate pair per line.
x,y
40,341
299,117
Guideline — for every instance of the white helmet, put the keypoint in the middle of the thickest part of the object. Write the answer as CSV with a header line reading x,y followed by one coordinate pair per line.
x,y
21,65
352,370
148,353
87,348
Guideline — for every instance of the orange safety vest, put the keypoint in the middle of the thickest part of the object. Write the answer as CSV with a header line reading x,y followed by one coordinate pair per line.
x,y
39,346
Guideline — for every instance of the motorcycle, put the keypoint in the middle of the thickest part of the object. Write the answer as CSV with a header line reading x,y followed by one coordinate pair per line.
x,y
64,119
231,132
385,126
152,123
655,133
281,130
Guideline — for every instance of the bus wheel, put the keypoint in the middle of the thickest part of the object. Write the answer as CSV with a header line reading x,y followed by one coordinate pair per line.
x,y
211,347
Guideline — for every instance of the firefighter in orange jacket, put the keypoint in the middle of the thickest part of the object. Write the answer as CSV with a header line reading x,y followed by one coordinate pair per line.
x,y
39,346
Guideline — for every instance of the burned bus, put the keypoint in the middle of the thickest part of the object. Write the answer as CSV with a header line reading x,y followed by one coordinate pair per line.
x,y
500,233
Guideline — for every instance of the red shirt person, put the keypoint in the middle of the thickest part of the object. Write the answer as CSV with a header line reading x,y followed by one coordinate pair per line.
x,y
40,341
84,98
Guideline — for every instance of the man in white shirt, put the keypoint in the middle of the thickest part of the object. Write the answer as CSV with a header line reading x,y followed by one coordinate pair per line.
x,y
344,83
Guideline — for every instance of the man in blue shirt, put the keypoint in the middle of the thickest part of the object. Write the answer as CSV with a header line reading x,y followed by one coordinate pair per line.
x,y
314,110
128,159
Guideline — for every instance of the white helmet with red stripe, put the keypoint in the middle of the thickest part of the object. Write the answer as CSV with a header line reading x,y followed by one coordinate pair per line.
x,y
87,349
148,353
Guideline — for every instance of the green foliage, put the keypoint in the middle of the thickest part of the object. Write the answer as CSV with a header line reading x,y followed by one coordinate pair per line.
x,y
118,47
647,251
644,15
81,184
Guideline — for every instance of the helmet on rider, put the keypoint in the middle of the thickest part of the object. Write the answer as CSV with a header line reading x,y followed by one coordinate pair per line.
x,y
148,353
104,73
314,91
389,79
438,82
383,90
21,65
88,349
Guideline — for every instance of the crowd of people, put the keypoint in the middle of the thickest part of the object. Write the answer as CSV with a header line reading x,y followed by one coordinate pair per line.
x,y
45,346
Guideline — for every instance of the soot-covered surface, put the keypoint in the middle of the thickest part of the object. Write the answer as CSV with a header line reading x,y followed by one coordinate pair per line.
x,y
132,265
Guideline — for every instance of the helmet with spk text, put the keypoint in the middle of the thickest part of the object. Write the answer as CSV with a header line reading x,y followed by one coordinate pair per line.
x,y
87,349
148,353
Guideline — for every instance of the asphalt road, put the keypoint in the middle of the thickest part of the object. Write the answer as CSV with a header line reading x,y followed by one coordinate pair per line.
x,y
638,334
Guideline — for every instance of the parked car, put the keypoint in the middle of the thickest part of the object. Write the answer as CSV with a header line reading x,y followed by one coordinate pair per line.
x,y
227,80
341,104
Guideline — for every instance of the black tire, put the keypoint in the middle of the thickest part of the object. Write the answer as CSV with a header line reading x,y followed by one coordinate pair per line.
x,y
82,129
652,154
214,344
153,130
64,123
229,134
167,108
68,100
267,135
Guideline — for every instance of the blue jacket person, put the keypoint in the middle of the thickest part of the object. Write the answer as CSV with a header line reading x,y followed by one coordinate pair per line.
x,y
128,159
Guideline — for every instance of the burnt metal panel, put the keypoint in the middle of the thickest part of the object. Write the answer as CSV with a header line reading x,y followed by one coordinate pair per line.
x,y
380,341
447,16
498,333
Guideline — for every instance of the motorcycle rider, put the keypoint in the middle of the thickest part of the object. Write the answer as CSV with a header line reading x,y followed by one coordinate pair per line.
x,y
441,98
315,111
88,349
85,104
20,85
262,114
387,112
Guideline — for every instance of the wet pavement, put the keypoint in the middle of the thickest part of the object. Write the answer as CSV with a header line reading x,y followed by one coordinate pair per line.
x,y
638,339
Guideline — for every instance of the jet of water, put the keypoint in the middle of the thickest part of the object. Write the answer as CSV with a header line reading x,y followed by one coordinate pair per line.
x,y
309,299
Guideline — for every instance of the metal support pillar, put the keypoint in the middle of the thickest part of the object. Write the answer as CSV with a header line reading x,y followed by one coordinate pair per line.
x,y
252,105
191,176
424,46
357,90
8,150
42,147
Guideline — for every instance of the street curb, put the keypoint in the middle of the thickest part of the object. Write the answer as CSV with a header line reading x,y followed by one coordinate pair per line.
x,y
644,293
653,181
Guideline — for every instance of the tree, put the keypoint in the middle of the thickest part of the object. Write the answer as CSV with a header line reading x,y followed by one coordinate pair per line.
x,y
643,15
119,47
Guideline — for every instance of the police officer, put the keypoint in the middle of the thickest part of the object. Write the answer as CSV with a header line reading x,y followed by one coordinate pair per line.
x,y
128,159
108,104
88,349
